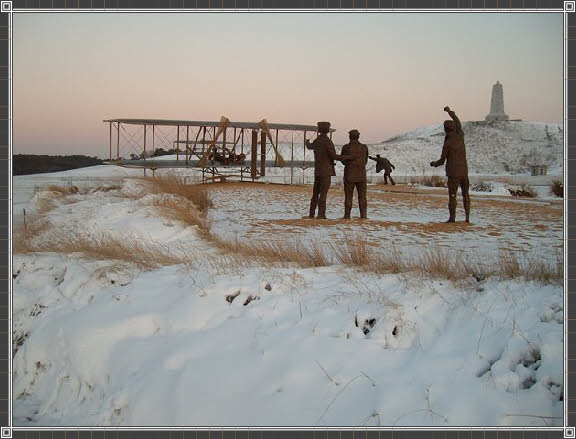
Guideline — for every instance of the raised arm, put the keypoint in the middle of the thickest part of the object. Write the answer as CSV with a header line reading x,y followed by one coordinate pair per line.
x,y
372,158
454,118
309,145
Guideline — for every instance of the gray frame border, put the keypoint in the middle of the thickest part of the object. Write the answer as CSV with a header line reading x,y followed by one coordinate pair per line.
x,y
7,9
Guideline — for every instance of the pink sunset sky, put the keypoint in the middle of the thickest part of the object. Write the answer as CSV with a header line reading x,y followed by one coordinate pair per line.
x,y
381,73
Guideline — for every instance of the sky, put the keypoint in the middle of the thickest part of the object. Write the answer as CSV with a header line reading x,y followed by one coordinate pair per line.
x,y
380,73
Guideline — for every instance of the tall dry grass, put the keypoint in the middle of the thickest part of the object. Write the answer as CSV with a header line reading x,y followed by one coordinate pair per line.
x,y
176,184
441,263
144,255
62,190
530,267
36,223
24,234
354,252
272,253
179,210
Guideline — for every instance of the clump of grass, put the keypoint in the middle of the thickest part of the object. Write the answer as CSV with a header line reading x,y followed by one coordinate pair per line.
x,y
279,252
104,188
522,191
530,268
269,253
36,223
557,188
390,262
62,190
183,211
429,180
354,252
509,265
49,197
437,262
483,186
20,241
542,271
23,235
176,184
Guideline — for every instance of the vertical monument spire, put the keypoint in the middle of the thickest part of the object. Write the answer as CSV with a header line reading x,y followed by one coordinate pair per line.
x,y
497,104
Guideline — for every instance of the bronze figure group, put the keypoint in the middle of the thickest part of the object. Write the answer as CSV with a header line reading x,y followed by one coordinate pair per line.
x,y
354,156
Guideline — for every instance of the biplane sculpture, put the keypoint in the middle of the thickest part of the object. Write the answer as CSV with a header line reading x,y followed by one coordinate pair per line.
x,y
220,150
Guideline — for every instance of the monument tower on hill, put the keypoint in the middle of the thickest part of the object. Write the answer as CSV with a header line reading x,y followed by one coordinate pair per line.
x,y
497,104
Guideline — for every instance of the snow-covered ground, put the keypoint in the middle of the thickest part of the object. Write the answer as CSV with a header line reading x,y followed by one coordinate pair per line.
x,y
104,343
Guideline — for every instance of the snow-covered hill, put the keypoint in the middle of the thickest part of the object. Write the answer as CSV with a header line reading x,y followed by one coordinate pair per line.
x,y
498,148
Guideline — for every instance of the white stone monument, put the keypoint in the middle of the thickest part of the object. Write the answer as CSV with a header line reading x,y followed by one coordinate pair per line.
x,y
497,104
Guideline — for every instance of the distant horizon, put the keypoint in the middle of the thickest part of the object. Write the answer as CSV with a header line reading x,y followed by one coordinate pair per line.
x,y
104,154
393,73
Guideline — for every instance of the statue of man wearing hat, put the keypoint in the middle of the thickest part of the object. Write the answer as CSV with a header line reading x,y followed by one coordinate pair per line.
x,y
324,156
355,157
454,154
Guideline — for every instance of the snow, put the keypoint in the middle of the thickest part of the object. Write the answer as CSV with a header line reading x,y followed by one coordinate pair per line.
x,y
167,349
106,343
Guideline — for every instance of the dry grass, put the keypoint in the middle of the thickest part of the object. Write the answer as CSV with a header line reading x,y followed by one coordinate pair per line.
x,y
24,234
177,185
531,268
509,265
392,262
62,190
104,189
147,256
272,253
435,262
354,252
557,188
429,180
177,210
440,263
52,196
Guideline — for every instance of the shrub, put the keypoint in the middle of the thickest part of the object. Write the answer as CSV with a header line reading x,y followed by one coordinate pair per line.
x,y
483,186
522,191
557,188
429,180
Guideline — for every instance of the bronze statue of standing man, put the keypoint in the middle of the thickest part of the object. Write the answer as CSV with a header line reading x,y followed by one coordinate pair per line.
x,y
324,156
454,154
355,157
